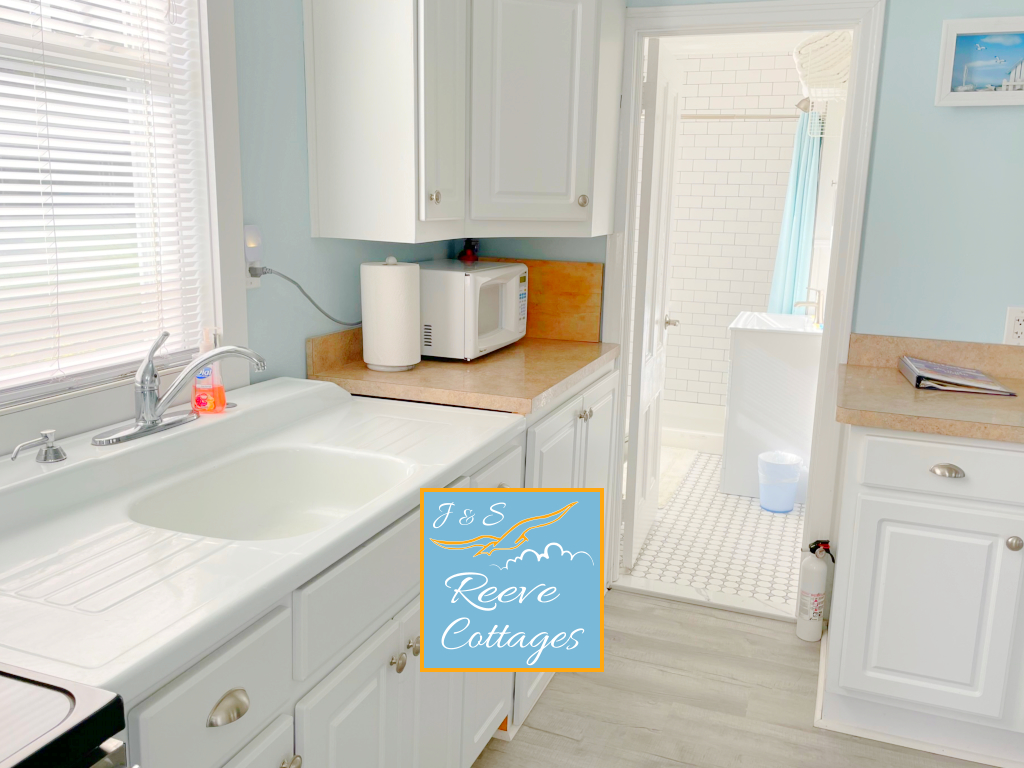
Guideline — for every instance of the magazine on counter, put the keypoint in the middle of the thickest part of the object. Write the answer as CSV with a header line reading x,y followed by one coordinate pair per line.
x,y
950,378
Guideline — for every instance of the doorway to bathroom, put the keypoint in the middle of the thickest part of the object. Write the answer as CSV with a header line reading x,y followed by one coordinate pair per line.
x,y
736,168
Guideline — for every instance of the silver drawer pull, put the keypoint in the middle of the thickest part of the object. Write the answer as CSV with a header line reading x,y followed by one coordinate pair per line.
x,y
232,706
1015,543
399,663
947,470
295,762
504,485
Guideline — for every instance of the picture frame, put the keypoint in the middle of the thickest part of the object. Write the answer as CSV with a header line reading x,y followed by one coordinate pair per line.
x,y
981,63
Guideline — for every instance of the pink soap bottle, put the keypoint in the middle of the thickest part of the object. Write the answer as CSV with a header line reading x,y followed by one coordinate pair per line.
x,y
208,394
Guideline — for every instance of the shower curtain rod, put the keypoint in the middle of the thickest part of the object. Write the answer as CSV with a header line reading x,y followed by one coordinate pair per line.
x,y
684,116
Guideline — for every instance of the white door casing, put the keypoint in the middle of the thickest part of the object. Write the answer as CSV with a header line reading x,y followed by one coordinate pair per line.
x,y
532,109
917,629
649,350
442,109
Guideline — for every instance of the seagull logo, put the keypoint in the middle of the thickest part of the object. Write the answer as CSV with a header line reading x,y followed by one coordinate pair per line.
x,y
514,537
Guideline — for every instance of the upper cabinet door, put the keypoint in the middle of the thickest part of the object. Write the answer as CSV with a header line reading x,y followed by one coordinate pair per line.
x,y
933,604
534,76
442,109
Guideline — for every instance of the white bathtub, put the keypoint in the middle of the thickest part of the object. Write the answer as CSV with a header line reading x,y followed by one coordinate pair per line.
x,y
773,379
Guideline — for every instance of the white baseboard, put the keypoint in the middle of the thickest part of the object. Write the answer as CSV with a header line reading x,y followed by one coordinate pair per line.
x,y
692,425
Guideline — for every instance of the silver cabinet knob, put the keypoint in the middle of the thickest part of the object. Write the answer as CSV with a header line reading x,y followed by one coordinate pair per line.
x,y
435,197
590,413
581,415
295,762
500,485
583,200
232,706
415,645
1015,543
399,662
669,321
947,470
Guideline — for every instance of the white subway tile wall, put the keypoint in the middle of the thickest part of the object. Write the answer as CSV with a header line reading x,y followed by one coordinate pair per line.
x,y
728,196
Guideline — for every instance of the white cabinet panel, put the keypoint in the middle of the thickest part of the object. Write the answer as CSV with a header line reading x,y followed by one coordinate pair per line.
x,y
932,604
529,687
554,448
352,718
442,105
431,704
486,701
533,88
274,747
332,616
600,402
169,728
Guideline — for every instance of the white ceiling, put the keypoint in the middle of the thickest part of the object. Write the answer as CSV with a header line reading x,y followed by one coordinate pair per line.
x,y
773,42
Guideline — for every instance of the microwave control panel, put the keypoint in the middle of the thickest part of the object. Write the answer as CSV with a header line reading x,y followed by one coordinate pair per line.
x,y
522,299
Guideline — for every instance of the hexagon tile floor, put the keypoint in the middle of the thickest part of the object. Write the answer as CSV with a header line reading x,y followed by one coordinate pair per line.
x,y
711,547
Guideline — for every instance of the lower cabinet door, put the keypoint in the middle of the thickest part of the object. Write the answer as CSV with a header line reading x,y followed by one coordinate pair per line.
x,y
431,704
933,603
353,717
529,687
486,701
273,748
554,448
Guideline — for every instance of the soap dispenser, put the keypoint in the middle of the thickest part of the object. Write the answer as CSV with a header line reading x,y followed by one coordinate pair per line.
x,y
208,394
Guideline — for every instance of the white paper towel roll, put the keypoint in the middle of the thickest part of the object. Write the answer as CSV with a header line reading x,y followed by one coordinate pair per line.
x,y
391,314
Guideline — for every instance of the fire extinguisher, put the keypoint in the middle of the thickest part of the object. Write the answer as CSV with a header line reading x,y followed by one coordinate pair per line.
x,y
811,605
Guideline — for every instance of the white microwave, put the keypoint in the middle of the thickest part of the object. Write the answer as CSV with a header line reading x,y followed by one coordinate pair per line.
x,y
468,310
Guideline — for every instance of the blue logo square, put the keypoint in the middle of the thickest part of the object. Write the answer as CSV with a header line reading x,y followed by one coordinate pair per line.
x,y
512,579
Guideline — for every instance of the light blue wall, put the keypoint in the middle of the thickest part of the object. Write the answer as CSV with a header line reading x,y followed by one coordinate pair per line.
x,y
943,249
275,194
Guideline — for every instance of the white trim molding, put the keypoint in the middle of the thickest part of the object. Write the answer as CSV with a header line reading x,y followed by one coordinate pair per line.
x,y
866,19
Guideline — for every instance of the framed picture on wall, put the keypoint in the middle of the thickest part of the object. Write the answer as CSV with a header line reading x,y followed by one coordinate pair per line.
x,y
981,63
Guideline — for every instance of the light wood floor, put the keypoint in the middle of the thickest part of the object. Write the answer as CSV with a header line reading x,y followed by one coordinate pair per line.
x,y
686,685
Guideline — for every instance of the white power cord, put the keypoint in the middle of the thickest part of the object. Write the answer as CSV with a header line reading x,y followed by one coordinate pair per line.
x,y
260,271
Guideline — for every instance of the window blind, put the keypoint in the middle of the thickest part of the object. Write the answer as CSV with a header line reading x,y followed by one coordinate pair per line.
x,y
104,212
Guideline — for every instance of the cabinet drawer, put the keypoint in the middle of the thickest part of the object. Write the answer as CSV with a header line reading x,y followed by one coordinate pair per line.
x,y
271,749
506,470
337,610
170,730
989,473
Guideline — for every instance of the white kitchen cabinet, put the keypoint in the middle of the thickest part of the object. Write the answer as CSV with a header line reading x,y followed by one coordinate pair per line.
x,y
391,154
386,118
273,748
486,702
529,687
542,112
431,704
353,717
573,447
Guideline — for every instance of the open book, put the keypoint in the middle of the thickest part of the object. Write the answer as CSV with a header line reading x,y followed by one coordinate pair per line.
x,y
950,378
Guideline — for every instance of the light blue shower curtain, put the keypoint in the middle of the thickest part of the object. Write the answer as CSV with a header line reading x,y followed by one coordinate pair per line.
x,y
796,238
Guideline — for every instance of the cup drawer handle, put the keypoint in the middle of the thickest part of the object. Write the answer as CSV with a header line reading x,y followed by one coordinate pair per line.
x,y
232,706
947,470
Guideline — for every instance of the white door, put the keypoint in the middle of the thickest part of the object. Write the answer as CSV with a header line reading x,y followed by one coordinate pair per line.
x,y
648,358
431,703
932,605
486,702
554,447
529,687
353,717
533,87
442,109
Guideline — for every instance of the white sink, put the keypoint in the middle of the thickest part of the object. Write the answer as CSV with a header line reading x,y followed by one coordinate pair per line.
x,y
275,493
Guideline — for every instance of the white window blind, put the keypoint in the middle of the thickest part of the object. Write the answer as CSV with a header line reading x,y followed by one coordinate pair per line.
x,y
104,214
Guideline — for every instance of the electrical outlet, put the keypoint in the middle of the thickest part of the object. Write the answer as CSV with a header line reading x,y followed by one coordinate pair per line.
x,y
1014,333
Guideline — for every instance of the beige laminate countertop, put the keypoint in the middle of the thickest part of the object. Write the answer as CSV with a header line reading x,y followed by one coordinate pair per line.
x,y
882,397
521,378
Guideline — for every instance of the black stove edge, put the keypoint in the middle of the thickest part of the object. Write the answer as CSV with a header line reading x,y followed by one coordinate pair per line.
x,y
97,715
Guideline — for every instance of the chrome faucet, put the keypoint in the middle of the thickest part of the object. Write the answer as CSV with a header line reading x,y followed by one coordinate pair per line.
x,y
150,405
